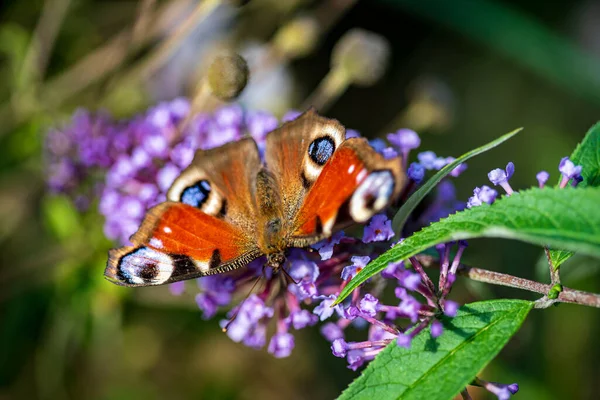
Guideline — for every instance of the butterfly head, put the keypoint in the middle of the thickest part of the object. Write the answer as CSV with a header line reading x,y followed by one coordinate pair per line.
x,y
275,260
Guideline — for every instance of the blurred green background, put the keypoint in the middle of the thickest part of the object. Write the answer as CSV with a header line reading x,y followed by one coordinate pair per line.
x,y
460,73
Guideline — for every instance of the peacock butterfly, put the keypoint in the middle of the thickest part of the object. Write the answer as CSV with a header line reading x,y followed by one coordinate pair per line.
x,y
230,207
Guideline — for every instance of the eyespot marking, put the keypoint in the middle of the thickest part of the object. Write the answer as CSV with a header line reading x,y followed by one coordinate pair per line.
x,y
145,266
197,194
321,150
372,195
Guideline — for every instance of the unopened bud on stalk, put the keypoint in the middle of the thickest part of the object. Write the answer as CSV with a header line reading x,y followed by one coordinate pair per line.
x,y
362,56
227,76
298,37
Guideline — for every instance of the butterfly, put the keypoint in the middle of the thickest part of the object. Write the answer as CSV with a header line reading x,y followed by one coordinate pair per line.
x,y
230,207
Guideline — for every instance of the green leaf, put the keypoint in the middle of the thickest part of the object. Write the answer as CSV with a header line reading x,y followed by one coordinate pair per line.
x,y
557,257
440,368
409,206
562,218
586,154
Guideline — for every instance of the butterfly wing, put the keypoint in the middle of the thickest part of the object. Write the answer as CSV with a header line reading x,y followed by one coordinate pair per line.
x,y
287,157
206,226
326,181
355,184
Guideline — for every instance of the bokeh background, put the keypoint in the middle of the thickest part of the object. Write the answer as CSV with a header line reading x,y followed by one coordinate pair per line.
x,y
460,73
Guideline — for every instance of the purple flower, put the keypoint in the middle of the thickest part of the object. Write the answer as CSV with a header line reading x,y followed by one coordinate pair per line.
x,y
427,159
257,338
230,115
436,329
409,280
416,172
301,318
378,144
404,340
500,177
248,317
485,194
439,163
409,308
339,347
359,263
450,308
377,333
542,178
351,133
502,391
177,288
392,269
568,170
389,153
166,176
331,331
259,123
281,345
305,273
182,155
324,310
326,246
355,359
404,139
378,230
368,305
459,169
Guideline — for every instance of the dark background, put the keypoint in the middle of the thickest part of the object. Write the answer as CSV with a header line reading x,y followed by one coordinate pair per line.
x,y
461,73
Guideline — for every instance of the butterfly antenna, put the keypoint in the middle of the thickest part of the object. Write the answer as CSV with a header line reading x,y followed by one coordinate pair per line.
x,y
237,310
287,277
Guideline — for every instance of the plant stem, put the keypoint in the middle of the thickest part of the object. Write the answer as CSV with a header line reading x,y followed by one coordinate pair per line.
x,y
496,278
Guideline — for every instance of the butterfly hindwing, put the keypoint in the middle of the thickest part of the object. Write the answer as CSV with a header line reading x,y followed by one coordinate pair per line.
x,y
175,242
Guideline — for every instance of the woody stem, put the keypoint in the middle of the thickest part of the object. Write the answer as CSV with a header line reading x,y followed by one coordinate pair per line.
x,y
496,278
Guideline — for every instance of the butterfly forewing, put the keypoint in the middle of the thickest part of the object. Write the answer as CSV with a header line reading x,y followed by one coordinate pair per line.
x,y
295,154
354,184
204,229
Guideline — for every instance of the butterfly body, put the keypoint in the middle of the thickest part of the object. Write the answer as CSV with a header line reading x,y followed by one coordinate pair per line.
x,y
230,206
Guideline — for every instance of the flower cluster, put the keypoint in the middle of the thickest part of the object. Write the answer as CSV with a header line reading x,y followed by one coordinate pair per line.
x,y
499,177
130,165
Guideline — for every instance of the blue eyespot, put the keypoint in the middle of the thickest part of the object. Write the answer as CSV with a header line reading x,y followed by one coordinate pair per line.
x,y
321,149
196,195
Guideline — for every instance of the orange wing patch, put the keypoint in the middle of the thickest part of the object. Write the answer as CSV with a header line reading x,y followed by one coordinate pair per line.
x,y
175,242
355,183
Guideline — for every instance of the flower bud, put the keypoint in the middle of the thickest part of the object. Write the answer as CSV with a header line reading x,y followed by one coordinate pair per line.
x,y
227,76
298,37
362,55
